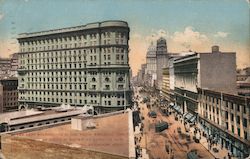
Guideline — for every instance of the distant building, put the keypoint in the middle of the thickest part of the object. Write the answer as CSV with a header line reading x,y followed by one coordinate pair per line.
x,y
214,71
14,64
8,66
82,65
226,117
5,66
151,64
142,77
243,74
162,58
8,94
243,81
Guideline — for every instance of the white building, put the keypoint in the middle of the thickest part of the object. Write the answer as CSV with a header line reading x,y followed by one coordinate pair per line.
x,y
82,65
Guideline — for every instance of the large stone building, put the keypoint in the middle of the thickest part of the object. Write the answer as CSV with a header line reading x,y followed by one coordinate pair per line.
x,y
205,90
215,70
82,65
226,117
8,94
168,78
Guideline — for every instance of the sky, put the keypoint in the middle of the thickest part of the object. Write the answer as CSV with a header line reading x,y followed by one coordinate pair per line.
x,y
186,24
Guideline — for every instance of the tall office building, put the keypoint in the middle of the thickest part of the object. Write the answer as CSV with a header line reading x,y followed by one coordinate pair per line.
x,y
82,65
151,64
162,59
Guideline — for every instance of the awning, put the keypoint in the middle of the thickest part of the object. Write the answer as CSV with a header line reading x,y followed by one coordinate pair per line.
x,y
179,110
192,119
184,115
188,116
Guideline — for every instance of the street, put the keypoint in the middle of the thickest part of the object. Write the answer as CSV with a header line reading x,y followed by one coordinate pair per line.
x,y
168,143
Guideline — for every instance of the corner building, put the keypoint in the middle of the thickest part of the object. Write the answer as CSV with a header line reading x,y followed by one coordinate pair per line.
x,y
82,65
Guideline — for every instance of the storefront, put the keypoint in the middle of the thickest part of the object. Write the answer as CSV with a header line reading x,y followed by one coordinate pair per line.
x,y
217,135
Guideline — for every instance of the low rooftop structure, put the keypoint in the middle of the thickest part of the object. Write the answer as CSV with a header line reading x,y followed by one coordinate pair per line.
x,y
41,116
112,135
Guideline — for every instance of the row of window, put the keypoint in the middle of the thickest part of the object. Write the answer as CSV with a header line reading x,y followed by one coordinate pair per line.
x,y
238,120
75,38
65,73
238,131
51,93
230,105
46,47
70,53
70,101
65,79
69,86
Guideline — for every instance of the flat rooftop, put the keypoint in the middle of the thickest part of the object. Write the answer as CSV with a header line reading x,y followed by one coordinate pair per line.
x,y
111,135
6,117
33,115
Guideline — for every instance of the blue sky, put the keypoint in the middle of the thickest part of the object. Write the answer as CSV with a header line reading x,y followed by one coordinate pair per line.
x,y
223,22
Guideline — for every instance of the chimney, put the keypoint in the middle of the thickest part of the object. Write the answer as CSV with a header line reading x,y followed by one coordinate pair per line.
x,y
215,49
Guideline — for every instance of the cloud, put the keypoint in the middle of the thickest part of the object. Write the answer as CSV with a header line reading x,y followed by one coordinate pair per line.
x,y
189,39
185,40
221,34
1,16
8,47
156,34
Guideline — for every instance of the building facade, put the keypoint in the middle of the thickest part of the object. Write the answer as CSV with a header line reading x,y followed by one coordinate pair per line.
x,y
5,65
14,64
243,81
151,64
215,70
226,118
161,60
8,95
166,84
8,66
82,65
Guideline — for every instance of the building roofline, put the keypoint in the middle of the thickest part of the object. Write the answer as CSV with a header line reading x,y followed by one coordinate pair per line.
x,y
107,23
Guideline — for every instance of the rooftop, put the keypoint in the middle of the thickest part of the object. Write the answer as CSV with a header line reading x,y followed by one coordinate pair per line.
x,y
33,115
109,23
111,135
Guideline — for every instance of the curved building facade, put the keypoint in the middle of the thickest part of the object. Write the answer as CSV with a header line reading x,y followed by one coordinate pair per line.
x,y
82,65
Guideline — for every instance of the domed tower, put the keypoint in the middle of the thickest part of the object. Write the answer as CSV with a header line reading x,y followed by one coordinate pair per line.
x,y
161,46
161,60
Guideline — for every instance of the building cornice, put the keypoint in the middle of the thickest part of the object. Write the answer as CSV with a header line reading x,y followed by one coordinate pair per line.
x,y
89,26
